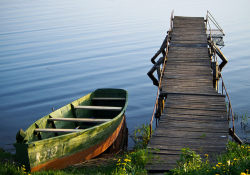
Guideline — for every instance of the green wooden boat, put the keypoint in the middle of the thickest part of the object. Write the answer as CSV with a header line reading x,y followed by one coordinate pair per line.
x,y
78,131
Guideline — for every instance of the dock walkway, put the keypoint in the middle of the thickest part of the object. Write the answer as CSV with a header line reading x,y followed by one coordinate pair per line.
x,y
195,114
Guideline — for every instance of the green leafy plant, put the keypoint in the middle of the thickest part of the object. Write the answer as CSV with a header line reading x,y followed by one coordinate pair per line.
x,y
189,160
141,136
133,162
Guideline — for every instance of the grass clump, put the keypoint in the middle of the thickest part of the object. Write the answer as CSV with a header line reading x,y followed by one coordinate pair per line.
x,y
11,168
8,164
141,136
132,163
236,160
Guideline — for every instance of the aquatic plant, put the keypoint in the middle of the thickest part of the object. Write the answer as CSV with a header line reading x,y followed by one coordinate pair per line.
x,y
245,127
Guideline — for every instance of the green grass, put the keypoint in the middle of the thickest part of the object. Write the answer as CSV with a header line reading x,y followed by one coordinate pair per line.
x,y
8,164
236,161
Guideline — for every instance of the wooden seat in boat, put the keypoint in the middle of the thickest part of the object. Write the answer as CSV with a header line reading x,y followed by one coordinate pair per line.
x,y
99,108
87,120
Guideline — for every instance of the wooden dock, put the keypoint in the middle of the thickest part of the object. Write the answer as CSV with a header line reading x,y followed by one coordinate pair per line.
x,y
194,114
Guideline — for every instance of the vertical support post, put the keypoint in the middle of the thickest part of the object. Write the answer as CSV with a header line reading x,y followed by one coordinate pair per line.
x,y
210,54
218,84
158,68
215,67
229,106
163,104
233,132
160,106
150,128
222,84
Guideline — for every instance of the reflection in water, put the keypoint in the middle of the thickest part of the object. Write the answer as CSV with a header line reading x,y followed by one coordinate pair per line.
x,y
157,65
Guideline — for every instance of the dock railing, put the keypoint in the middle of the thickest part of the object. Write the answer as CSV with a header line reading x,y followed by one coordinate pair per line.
x,y
230,112
217,31
220,32
156,107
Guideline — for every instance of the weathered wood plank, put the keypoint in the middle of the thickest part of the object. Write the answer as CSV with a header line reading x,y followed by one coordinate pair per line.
x,y
193,112
194,94
191,142
183,118
178,147
193,101
185,134
189,38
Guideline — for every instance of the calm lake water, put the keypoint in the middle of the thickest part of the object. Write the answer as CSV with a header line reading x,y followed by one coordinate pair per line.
x,y
53,52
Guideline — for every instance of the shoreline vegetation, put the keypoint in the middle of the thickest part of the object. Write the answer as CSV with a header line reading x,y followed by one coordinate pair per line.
x,y
242,120
235,160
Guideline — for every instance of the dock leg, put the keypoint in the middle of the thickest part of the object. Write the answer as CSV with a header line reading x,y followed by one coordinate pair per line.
x,y
215,69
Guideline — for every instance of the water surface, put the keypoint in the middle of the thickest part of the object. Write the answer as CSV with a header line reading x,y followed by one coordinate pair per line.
x,y
53,52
